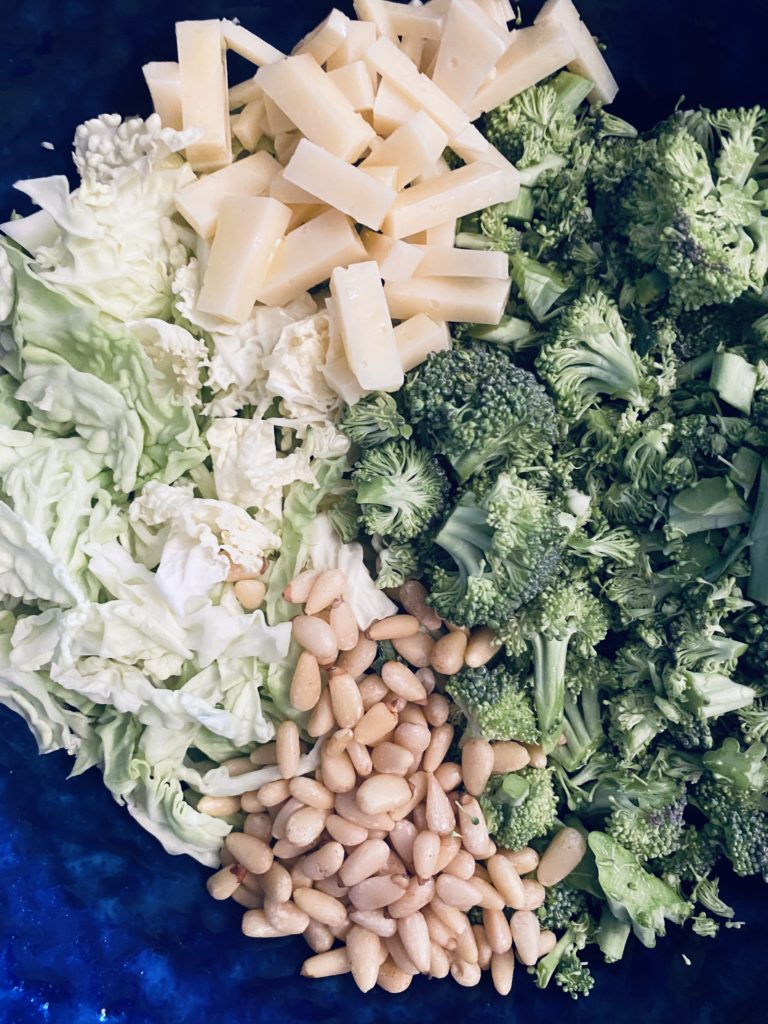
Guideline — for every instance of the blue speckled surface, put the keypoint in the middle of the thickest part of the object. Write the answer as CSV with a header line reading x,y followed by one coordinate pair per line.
x,y
96,923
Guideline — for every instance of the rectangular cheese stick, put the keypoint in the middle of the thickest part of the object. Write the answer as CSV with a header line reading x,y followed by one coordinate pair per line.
x,y
307,256
449,196
243,93
397,260
249,125
471,145
414,22
443,235
302,213
413,48
533,54
366,327
339,184
246,239
200,202
439,261
290,194
277,122
285,145
465,299
403,74
354,81
360,35
320,111
204,97
164,83
589,61
391,109
414,147
418,337
375,12
470,47
324,40
250,46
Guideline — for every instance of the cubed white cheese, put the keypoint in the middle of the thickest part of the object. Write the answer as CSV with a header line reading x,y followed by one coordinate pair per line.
x,y
388,175
249,229
250,46
413,22
470,47
391,109
442,235
471,299
249,125
285,145
302,213
375,12
204,96
439,261
360,35
413,147
589,61
354,81
500,10
397,260
418,337
471,145
413,48
277,122
200,202
290,194
164,83
366,327
321,42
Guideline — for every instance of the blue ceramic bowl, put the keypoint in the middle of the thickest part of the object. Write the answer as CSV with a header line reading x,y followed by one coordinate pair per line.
x,y
96,923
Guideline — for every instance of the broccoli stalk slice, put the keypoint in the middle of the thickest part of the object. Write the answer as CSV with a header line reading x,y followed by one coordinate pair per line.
x,y
466,536
549,657
611,936
582,727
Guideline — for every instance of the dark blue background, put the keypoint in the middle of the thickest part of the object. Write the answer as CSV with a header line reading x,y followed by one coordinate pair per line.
x,y
96,924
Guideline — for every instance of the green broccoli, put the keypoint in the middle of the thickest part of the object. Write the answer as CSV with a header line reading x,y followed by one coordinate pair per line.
x,y
519,806
754,722
477,408
694,858
740,821
400,488
561,905
635,721
582,728
374,420
648,832
495,702
504,549
397,563
576,978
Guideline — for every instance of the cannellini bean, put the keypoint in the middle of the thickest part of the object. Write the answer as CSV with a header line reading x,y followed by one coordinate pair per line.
x,y
506,881
448,775
399,954
364,861
346,701
402,682
402,838
563,854
323,862
374,921
315,636
219,806
450,916
281,818
265,753
414,935
466,945
259,825
373,689
318,937
360,758
418,783
288,751
413,597
381,793
467,975
326,589
256,926
276,884
534,894
476,764
237,766
274,793
523,860
440,816
251,802
321,720
338,772
249,851
285,916
412,713
338,742
332,886
375,893
497,930
449,847
344,625
502,972
327,965
462,865
413,737
247,899
419,818
537,755
321,907
438,931
436,709
484,951
481,647
439,963
225,882
345,832
298,590
448,653
360,658
394,627
474,831
426,851
417,895
299,878
391,978
457,892
341,931
427,679
547,942
416,649
284,849
377,721
525,929
440,741
306,684
250,593
509,756
391,759
347,807
311,793
490,897
363,950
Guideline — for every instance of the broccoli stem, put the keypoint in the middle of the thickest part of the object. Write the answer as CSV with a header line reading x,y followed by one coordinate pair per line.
x,y
612,935
466,537
547,966
549,687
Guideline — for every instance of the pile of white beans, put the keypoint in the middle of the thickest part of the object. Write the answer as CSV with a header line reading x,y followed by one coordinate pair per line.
x,y
379,856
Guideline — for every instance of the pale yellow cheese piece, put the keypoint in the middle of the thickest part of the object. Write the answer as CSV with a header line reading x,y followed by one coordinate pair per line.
x,y
200,202
204,97
413,147
248,232
393,65
439,261
320,111
250,46
397,260
307,256
418,337
244,92
533,54
360,35
324,40
449,196
354,81
249,125
443,235
589,61
290,194
366,327
471,45
414,22
285,145
500,10
388,175
471,145
375,12
413,48
339,184
164,84
466,299
277,122
391,109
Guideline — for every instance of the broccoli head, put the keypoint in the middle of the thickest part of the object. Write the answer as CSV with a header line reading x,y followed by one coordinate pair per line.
x,y
696,855
374,420
648,832
400,488
519,806
495,702
561,905
574,977
739,821
477,408
397,563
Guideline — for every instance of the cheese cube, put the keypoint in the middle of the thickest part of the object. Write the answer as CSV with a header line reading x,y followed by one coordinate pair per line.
x,y
403,74
533,54
413,147
388,175
470,47
321,112
164,84
249,45
472,299
418,337
248,126
321,42
452,195
397,260
243,93
308,255
246,239
471,145
375,12
439,261
277,122
360,35
366,327
500,10
413,22
589,61
204,97
200,202
339,184
391,109
354,81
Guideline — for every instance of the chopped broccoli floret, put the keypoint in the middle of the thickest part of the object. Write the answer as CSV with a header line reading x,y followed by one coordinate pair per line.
x,y
648,832
561,905
519,806
740,822
374,420
495,702
396,564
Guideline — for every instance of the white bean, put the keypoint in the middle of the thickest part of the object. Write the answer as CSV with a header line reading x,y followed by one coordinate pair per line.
x,y
374,921
497,930
476,764
394,627
506,881
502,972
326,588
249,851
288,749
563,854
344,625
381,793
363,950
364,861
323,862
285,916
457,892
414,935
321,907
327,965
375,893
525,929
